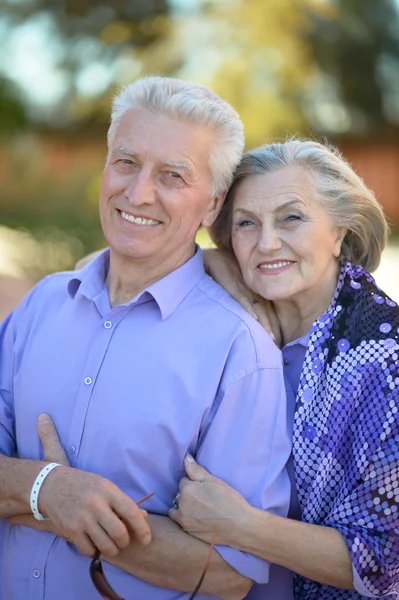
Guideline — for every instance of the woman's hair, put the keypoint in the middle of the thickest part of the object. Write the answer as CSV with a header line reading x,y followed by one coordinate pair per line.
x,y
193,103
344,195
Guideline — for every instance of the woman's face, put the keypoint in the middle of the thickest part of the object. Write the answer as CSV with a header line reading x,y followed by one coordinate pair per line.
x,y
283,238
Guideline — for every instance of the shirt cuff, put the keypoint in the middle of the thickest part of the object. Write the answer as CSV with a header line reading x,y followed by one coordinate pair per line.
x,y
359,585
246,564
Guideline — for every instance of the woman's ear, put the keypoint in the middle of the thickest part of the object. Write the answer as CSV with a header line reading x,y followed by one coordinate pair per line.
x,y
340,236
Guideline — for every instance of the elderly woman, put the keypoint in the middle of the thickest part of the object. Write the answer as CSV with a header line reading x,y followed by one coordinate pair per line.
x,y
306,233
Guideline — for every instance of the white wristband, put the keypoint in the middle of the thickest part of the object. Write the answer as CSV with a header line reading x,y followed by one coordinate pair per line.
x,y
34,494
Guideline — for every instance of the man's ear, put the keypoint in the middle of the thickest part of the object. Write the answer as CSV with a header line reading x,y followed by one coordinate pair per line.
x,y
214,208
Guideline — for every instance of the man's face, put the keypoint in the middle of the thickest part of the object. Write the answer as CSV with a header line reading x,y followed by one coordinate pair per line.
x,y
155,189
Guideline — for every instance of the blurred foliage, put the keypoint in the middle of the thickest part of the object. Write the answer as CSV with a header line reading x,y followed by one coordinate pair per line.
x,y
357,51
13,115
314,66
87,33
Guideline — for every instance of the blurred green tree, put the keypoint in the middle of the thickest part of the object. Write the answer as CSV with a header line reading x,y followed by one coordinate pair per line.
x,y
83,34
13,115
356,48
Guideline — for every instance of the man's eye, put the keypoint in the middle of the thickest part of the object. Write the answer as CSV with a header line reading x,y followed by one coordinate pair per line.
x,y
174,175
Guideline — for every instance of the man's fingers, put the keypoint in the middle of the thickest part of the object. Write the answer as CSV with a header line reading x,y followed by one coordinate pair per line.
x,y
53,451
194,470
134,518
85,545
116,530
102,541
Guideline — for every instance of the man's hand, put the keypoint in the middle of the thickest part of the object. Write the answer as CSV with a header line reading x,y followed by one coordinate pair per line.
x,y
84,508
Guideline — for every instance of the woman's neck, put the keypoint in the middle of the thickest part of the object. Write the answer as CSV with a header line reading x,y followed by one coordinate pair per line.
x,y
296,315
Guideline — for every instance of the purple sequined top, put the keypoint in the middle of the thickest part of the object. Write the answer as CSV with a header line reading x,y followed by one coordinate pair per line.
x,y
346,434
345,375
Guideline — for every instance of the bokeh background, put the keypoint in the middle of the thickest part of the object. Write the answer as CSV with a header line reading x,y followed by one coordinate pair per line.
x,y
324,68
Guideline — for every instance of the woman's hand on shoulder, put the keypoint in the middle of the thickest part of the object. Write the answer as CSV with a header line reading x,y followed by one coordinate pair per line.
x,y
223,268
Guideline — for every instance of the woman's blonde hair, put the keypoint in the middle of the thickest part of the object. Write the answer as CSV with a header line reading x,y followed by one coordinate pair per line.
x,y
346,198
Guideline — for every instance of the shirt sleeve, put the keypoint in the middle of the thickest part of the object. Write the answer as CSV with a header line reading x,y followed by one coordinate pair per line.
x,y
247,445
12,326
7,437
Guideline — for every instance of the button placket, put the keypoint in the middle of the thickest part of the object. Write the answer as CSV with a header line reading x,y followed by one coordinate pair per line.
x,y
93,364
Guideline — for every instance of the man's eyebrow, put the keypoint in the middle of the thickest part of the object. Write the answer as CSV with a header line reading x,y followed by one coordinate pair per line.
x,y
177,165
124,151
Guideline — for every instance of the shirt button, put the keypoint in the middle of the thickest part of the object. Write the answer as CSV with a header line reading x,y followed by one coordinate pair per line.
x,y
72,449
36,574
88,380
285,362
107,324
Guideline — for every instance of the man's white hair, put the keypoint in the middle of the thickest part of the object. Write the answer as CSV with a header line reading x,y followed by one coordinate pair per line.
x,y
193,103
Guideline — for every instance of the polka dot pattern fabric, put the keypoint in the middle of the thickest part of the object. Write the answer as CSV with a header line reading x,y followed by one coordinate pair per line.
x,y
346,433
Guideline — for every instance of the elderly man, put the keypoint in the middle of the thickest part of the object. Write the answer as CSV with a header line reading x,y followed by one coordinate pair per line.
x,y
139,358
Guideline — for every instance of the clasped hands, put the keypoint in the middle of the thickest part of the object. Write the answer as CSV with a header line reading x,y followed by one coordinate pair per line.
x,y
93,513
84,508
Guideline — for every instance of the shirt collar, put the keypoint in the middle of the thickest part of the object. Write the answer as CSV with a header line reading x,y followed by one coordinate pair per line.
x,y
168,292
302,341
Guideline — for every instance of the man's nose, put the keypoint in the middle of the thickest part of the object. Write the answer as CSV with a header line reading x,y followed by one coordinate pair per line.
x,y
269,240
140,189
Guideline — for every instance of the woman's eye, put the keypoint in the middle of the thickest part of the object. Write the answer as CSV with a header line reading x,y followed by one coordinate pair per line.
x,y
293,217
244,223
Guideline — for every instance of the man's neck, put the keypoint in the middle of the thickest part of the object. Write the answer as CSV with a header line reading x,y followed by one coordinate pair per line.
x,y
127,277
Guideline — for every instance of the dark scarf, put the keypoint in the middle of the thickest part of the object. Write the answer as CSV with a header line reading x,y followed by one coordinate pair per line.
x,y
346,433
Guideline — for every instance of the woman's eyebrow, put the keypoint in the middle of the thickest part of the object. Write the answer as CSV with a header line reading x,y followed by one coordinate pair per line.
x,y
277,209
289,203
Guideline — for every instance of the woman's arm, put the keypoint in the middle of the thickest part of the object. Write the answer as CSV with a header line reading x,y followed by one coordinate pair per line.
x,y
224,269
319,553
316,552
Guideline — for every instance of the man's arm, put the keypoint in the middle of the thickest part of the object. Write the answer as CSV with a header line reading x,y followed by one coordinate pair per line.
x,y
173,560
247,436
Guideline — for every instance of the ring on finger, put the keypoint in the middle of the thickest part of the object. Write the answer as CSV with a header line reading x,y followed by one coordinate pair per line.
x,y
176,501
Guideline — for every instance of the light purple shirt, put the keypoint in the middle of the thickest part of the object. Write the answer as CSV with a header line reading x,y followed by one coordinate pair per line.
x,y
179,368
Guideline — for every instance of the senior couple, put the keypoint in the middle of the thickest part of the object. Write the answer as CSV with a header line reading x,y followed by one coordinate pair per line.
x,y
139,377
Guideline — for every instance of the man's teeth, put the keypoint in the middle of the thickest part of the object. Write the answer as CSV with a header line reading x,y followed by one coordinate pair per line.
x,y
138,220
275,265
